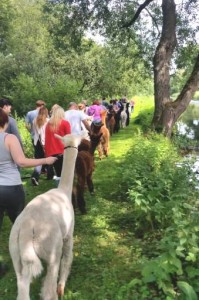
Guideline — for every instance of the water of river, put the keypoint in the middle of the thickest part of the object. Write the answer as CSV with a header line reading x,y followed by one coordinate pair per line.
x,y
188,124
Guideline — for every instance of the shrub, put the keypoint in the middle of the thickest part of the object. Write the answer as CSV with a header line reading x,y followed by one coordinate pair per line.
x,y
164,203
25,136
144,119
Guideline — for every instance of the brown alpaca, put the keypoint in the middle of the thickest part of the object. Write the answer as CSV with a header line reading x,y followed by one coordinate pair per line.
x,y
84,170
104,145
104,117
111,121
83,175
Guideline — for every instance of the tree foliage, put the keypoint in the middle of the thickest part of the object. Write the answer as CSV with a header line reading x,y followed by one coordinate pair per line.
x,y
44,48
6,13
47,55
159,29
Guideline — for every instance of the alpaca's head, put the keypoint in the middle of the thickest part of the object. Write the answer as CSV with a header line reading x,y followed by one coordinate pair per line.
x,y
71,139
96,126
95,138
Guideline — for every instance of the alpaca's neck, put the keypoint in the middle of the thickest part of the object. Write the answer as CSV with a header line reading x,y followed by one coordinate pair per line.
x,y
103,117
93,147
68,168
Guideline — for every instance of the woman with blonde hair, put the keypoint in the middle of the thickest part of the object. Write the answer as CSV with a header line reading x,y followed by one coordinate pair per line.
x,y
39,127
53,146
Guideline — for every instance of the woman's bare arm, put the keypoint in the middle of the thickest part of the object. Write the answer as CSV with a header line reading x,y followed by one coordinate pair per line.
x,y
13,145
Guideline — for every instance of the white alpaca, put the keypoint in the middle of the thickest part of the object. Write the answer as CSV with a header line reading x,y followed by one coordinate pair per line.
x,y
44,231
123,117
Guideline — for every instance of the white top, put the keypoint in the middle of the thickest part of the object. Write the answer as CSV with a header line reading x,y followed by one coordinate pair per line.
x,y
75,117
39,133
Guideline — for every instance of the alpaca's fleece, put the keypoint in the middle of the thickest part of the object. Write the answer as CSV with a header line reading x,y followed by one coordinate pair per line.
x,y
45,218
44,232
104,145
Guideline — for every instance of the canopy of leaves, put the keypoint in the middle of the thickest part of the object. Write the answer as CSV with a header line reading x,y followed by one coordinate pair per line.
x,y
44,52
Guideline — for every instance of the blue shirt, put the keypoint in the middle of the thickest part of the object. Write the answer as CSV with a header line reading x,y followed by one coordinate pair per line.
x,y
31,115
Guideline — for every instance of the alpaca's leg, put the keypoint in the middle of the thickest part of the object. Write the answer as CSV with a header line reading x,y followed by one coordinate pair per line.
x,y
49,290
90,183
105,149
80,198
53,257
65,264
100,150
22,273
23,286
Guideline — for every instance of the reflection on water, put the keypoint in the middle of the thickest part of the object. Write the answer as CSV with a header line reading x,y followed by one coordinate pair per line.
x,y
192,162
188,124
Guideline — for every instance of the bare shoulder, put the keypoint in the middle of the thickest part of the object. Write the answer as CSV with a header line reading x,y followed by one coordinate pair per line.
x,y
11,138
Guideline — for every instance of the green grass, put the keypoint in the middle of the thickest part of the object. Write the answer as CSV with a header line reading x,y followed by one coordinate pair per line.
x,y
106,252
111,246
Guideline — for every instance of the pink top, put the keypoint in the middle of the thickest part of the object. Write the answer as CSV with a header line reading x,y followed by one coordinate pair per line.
x,y
95,111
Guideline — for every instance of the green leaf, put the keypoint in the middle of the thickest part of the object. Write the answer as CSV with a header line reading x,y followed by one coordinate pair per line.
x,y
183,241
134,282
188,290
191,257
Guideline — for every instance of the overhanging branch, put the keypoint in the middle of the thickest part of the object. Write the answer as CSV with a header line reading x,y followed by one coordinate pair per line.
x,y
138,12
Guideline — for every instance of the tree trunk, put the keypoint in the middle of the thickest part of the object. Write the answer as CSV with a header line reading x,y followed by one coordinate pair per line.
x,y
162,60
166,111
173,110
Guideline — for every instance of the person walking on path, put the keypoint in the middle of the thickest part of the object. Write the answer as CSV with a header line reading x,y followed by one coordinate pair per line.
x,y
76,117
12,128
53,146
95,110
39,127
31,115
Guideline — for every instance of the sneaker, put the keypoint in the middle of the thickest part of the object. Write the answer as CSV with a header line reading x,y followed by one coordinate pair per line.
x,y
34,181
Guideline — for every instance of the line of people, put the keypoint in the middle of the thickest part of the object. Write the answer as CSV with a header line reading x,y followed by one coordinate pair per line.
x,y
44,128
76,118
48,150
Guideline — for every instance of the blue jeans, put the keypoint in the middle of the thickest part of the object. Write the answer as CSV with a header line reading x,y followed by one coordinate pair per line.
x,y
39,153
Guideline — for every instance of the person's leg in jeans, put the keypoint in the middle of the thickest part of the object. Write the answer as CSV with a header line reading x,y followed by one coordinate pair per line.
x,y
16,206
58,167
39,153
1,216
12,200
50,172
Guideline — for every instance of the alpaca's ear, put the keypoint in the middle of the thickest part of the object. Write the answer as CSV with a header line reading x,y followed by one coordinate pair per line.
x,y
58,136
